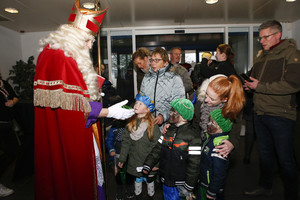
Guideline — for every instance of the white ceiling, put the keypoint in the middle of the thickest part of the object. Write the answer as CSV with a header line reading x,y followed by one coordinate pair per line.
x,y
47,15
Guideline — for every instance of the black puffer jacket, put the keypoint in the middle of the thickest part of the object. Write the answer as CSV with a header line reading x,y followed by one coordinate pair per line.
x,y
178,152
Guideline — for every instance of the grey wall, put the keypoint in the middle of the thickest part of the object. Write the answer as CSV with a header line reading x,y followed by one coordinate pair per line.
x,y
10,50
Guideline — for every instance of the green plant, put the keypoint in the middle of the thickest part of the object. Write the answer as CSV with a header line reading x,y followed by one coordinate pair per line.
x,y
22,77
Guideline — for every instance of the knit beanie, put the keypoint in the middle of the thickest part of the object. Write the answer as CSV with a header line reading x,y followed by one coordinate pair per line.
x,y
184,107
145,100
224,124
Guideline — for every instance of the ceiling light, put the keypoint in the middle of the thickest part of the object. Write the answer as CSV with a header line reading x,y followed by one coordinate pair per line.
x,y
290,0
88,5
211,1
11,10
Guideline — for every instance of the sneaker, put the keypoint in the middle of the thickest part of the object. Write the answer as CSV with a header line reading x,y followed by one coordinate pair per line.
x,y
4,191
258,192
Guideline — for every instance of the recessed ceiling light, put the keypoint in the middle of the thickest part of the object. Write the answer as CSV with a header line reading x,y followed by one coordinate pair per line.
x,y
290,0
211,1
88,5
11,10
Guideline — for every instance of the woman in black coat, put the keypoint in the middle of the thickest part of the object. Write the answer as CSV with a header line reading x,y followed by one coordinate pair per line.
x,y
223,65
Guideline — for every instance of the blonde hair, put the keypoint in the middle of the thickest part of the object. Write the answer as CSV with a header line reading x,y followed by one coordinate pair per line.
x,y
73,42
231,89
148,117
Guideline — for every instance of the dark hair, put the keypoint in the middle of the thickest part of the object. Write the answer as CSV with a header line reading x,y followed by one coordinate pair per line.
x,y
141,53
162,52
225,48
273,24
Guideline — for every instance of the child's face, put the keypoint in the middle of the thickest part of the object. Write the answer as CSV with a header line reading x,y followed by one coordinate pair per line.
x,y
140,108
174,116
213,127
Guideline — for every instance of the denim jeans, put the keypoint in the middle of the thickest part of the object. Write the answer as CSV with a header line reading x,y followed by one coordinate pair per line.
x,y
275,136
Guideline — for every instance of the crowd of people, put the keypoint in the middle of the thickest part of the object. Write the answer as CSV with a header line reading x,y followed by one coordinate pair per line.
x,y
191,157
181,129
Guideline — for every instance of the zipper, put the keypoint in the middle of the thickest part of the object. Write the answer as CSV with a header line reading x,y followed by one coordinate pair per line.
x,y
174,136
155,92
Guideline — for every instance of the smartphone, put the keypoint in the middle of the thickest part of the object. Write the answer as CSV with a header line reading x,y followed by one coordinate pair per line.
x,y
246,77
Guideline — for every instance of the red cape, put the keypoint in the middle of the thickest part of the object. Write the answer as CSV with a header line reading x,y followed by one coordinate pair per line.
x,y
64,152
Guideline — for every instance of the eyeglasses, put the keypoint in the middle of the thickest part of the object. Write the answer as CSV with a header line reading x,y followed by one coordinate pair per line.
x,y
154,60
265,37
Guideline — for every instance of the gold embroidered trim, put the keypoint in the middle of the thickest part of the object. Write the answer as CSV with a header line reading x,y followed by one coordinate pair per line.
x,y
60,82
60,99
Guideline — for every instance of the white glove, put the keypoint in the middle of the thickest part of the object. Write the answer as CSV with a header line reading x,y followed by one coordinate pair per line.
x,y
116,111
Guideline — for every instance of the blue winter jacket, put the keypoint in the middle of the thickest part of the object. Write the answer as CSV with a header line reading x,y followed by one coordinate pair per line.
x,y
213,167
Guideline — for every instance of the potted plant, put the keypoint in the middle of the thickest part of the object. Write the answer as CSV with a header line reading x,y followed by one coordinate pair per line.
x,y
22,76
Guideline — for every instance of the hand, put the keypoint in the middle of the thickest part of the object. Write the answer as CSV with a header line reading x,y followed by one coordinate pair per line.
x,y
183,193
145,172
9,103
120,165
116,111
209,197
225,148
154,169
251,85
159,119
209,62
166,128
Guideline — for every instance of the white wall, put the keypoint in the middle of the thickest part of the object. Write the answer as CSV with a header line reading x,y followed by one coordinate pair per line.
x,y
15,46
10,50
295,32
30,44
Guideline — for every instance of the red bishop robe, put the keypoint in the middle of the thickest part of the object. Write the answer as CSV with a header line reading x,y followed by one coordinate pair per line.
x,y
64,152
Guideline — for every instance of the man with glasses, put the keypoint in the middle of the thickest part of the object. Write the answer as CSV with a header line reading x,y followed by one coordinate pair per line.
x,y
275,81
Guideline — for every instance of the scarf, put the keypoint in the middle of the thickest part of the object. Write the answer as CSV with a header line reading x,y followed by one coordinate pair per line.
x,y
138,133
204,116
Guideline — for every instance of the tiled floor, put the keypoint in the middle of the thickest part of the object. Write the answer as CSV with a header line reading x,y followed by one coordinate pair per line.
x,y
240,178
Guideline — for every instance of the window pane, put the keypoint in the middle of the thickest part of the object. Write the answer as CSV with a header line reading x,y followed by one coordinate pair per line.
x,y
238,40
187,42
122,74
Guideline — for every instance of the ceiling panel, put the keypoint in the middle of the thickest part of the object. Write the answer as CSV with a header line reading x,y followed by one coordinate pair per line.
x,y
46,15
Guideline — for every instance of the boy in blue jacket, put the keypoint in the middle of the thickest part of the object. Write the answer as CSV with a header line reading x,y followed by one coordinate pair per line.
x,y
213,168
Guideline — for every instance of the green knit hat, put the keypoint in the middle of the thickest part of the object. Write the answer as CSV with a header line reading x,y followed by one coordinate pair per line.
x,y
184,107
224,124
